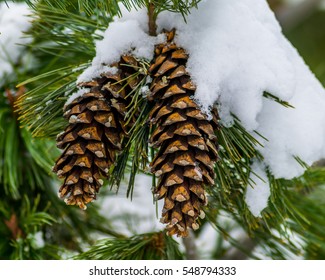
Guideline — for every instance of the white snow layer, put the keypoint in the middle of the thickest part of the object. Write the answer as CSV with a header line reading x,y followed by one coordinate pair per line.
x,y
128,34
257,196
138,215
237,51
13,21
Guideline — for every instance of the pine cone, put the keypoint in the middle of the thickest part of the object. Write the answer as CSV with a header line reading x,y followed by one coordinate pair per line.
x,y
95,132
185,138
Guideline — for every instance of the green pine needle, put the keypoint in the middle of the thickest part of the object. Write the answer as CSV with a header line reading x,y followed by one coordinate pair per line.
x,y
149,246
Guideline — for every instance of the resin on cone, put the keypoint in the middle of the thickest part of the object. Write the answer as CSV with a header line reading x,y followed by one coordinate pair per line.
x,y
184,137
95,132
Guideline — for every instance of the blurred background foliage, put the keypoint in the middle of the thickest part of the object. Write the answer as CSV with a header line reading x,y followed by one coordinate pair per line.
x,y
303,22
309,38
35,224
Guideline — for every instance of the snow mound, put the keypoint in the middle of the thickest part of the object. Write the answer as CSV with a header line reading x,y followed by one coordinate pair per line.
x,y
237,52
13,21
128,34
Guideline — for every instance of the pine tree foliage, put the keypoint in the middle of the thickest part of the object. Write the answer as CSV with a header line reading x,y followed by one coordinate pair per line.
x,y
284,225
34,224
56,77
23,175
149,246
113,7
64,35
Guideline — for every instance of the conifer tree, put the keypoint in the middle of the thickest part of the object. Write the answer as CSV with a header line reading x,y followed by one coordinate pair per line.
x,y
120,106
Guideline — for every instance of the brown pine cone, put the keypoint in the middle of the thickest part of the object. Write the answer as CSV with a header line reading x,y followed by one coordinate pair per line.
x,y
184,137
95,132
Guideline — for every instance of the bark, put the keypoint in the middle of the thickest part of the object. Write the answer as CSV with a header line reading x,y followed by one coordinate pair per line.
x,y
152,20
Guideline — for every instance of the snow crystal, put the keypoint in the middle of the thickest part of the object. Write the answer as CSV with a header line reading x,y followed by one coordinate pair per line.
x,y
237,52
13,21
257,197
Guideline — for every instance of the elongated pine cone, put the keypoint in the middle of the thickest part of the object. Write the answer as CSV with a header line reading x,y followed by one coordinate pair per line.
x,y
185,138
95,132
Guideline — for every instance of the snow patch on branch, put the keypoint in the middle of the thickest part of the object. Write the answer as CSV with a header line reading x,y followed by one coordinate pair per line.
x,y
257,196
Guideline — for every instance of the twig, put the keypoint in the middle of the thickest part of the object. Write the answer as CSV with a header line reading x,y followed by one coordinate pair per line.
x,y
152,20
190,246
13,96
12,225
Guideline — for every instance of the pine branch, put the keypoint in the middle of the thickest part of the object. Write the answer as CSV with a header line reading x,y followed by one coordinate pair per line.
x,y
178,6
150,246
190,247
294,210
96,8
25,222
23,160
47,100
61,59
236,150
49,90
99,8
135,155
152,20
278,100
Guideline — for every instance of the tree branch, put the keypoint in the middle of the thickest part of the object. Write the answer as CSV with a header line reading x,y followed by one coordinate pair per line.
x,y
152,20
190,247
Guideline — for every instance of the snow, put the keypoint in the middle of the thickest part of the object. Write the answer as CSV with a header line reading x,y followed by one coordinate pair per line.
x,y
240,53
13,21
125,35
77,94
237,52
137,215
257,195
93,72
